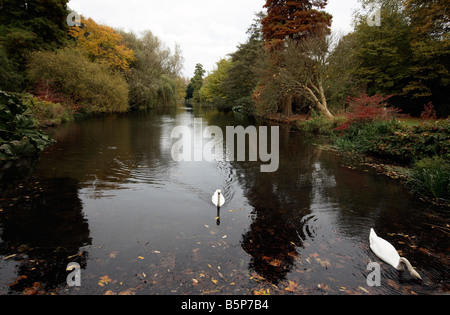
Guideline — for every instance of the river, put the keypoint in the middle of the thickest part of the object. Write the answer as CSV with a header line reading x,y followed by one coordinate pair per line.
x,y
110,197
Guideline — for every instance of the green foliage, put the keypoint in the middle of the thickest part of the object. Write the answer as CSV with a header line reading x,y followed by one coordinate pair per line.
x,y
197,81
10,77
93,85
320,125
31,25
410,144
212,91
47,113
19,136
431,177
241,81
153,74
392,139
363,138
407,56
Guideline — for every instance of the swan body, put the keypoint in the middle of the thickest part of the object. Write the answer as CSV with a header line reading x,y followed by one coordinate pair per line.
x,y
387,252
218,199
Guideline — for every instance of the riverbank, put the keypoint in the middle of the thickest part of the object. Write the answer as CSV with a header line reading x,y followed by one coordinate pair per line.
x,y
417,154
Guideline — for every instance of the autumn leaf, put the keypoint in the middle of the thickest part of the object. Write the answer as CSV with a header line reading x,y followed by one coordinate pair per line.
x,y
104,280
261,292
292,287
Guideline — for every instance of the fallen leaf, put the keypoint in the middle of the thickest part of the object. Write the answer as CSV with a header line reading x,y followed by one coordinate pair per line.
x,y
262,292
113,254
128,292
362,289
141,258
104,280
292,287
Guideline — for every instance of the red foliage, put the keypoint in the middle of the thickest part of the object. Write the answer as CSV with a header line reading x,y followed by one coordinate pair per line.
x,y
294,19
45,90
429,112
365,109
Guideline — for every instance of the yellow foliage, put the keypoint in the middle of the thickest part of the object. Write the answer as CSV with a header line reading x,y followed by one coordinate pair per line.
x,y
102,42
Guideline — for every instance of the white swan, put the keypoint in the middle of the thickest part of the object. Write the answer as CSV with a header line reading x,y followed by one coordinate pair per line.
x,y
218,199
386,252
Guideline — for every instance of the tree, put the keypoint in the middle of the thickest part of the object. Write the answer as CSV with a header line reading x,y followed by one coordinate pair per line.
x,y
26,26
430,46
291,21
153,73
197,81
212,90
103,43
241,79
91,84
383,52
294,20
408,55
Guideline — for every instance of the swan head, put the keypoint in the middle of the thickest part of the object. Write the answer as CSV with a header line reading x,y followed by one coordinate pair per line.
x,y
218,192
404,262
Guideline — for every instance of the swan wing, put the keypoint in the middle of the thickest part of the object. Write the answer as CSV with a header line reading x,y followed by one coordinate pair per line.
x,y
384,250
215,199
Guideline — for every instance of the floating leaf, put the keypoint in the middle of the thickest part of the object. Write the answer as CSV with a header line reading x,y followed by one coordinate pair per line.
x,y
262,292
104,280
292,287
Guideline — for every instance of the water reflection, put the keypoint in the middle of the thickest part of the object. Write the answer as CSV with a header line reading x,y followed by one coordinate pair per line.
x,y
109,196
42,225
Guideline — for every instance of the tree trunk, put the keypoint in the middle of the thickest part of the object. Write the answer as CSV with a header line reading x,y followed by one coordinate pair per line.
x,y
322,105
286,106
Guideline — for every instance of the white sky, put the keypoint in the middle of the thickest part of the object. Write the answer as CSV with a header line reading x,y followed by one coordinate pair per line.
x,y
206,30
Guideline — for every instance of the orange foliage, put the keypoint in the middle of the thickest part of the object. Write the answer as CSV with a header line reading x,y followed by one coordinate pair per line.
x,y
103,43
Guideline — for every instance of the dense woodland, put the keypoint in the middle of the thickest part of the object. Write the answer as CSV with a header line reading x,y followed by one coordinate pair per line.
x,y
292,61
86,68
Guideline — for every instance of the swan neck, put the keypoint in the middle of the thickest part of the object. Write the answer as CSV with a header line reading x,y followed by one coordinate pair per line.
x,y
405,262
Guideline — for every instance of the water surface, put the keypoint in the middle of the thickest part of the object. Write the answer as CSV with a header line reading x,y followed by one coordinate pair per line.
x,y
109,196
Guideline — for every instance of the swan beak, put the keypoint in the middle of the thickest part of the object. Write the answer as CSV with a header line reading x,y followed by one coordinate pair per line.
x,y
416,274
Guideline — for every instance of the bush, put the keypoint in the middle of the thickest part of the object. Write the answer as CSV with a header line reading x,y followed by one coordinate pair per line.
x,y
47,113
366,109
431,177
92,85
320,125
19,136
412,144
363,138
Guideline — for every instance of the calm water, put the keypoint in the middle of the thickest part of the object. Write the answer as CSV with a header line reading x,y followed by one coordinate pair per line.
x,y
109,196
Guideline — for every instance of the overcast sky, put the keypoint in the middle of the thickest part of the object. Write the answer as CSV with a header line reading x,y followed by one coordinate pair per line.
x,y
206,30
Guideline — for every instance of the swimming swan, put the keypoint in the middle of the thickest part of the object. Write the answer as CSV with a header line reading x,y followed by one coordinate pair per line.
x,y
218,199
386,252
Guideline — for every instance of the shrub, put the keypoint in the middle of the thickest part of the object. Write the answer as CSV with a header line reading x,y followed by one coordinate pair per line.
x,y
19,136
365,109
412,144
320,125
429,113
47,113
431,177
363,137
92,85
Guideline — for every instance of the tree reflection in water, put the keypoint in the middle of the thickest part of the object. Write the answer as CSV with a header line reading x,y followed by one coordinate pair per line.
x,y
43,229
